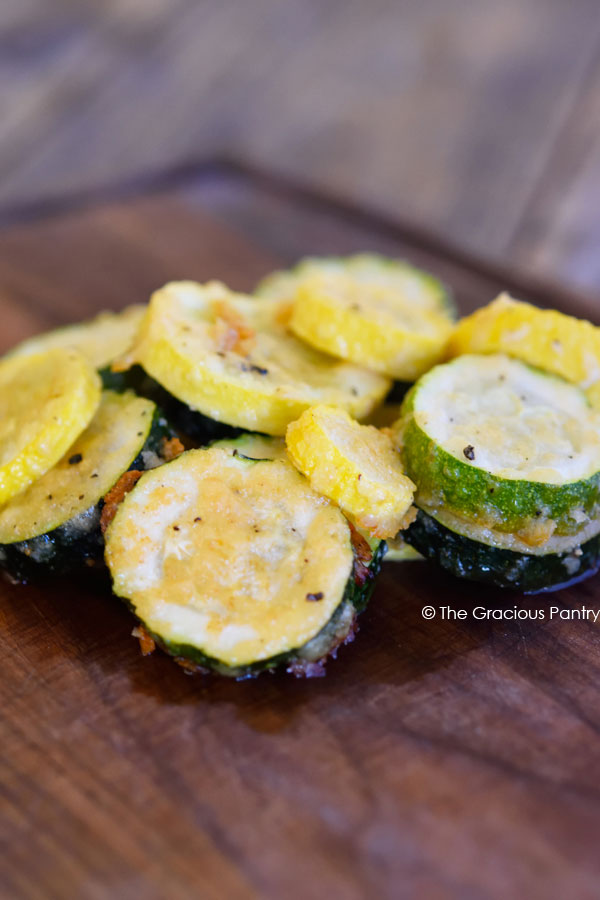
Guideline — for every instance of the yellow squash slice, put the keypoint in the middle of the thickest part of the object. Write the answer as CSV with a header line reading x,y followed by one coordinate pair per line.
x,y
368,269
101,340
46,401
544,338
372,324
231,357
354,465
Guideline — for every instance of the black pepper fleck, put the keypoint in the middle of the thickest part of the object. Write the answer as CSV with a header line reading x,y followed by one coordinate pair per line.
x,y
198,519
76,458
314,598
175,527
469,451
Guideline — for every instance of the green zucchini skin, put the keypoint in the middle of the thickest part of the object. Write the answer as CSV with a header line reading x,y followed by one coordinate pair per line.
x,y
340,629
77,544
475,561
443,480
190,424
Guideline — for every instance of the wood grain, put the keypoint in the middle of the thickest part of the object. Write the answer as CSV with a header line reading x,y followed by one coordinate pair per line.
x,y
442,759
478,120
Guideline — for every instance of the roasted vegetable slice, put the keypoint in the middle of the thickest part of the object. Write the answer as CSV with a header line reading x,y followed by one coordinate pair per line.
x,y
369,269
100,340
237,565
544,338
475,560
46,400
354,465
54,525
503,445
391,328
231,358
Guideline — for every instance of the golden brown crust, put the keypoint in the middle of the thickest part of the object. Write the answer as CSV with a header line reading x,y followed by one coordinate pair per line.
x,y
147,642
362,556
232,333
171,448
115,496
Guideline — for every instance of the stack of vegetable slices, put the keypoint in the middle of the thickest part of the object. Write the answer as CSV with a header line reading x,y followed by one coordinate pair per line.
x,y
322,422
504,448
66,444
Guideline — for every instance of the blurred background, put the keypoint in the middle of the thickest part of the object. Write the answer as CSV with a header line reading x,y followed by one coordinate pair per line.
x,y
478,121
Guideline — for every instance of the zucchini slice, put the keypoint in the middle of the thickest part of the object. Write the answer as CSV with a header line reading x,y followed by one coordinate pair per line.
x,y
237,565
544,338
231,358
475,560
503,445
101,340
393,327
46,400
54,525
367,269
354,465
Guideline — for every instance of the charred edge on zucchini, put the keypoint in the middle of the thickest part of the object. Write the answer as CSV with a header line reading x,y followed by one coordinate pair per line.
x,y
78,543
197,428
475,561
308,661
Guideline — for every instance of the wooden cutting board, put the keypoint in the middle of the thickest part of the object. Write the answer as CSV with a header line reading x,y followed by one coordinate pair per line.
x,y
442,758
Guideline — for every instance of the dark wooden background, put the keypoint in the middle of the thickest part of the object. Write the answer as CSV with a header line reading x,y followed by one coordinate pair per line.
x,y
479,120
